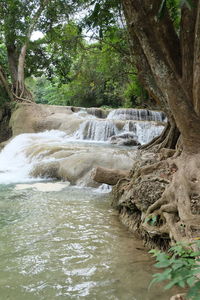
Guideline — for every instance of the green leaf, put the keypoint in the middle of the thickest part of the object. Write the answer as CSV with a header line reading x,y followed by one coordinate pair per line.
x,y
190,281
158,277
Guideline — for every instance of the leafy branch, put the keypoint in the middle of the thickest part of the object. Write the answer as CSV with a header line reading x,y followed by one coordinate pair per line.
x,y
182,267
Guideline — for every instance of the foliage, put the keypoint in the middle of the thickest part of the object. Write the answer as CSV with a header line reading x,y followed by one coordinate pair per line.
x,y
53,55
134,93
182,265
3,57
77,73
70,71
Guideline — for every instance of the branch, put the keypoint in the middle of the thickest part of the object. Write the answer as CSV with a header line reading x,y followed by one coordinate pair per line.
x,y
35,18
22,99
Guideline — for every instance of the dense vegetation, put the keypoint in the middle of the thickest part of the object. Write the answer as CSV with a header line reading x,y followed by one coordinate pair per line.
x,y
68,65
88,74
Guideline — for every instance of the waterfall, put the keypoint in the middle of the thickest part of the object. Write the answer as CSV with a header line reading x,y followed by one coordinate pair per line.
x,y
32,154
136,114
96,130
139,125
147,131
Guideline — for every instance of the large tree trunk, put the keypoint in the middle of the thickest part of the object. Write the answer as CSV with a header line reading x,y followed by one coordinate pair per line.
x,y
170,65
161,47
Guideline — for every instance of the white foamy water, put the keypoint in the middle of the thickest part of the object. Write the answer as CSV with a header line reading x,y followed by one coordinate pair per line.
x,y
140,122
102,130
15,163
136,114
97,130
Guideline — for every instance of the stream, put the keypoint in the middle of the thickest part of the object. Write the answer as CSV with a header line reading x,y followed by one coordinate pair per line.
x,y
69,244
62,239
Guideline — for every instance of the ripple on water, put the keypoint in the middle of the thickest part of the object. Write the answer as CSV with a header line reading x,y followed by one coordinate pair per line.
x,y
69,244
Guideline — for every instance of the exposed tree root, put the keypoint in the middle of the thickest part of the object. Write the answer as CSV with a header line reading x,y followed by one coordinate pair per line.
x,y
167,139
166,196
20,99
175,205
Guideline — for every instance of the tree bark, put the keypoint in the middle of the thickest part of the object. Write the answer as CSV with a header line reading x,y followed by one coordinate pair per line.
x,y
12,62
151,34
196,66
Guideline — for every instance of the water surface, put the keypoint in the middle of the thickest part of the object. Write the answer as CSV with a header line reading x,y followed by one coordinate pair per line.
x,y
69,244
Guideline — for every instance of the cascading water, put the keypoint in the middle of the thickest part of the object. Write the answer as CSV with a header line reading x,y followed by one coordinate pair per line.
x,y
18,157
143,124
136,114
98,130
69,157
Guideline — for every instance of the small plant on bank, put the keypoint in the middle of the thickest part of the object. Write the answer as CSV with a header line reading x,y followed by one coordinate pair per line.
x,y
181,268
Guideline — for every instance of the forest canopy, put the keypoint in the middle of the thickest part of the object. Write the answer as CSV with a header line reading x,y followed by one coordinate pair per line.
x,y
82,59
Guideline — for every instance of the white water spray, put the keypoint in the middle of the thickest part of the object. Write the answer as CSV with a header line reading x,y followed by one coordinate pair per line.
x,y
16,160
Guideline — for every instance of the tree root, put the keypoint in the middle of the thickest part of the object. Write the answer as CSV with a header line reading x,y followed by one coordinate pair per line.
x,y
166,197
22,99
175,204
167,139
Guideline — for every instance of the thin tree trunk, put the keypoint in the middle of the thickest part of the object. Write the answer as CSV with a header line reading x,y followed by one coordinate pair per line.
x,y
22,92
12,62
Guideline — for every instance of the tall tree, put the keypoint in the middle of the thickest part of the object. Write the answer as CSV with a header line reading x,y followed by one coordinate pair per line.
x,y
169,62
18,21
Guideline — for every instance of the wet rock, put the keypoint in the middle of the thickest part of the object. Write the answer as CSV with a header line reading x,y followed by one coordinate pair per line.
x,y
46,170
126,139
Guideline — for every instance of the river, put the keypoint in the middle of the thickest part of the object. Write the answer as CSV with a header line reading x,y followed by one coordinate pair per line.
x,y
69,244
62,240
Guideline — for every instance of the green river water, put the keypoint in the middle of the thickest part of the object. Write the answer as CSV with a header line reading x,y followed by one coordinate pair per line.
x,y
69,244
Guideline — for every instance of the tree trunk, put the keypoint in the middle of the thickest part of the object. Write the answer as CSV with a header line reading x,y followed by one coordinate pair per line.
x,y
170,65
21,91
158,41
12,63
